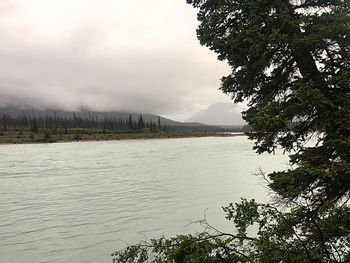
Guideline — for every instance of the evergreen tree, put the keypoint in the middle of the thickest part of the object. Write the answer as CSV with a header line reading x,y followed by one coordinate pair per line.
x,y
5,119
154,126
140,123
291,60
130,123
159,124
34,125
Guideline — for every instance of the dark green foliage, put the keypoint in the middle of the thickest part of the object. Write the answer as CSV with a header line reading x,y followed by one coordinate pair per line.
x,y
130,124
159,124
47,136
5,118
290,60
77,137
140,123
65,123
274,237
34,125
53,123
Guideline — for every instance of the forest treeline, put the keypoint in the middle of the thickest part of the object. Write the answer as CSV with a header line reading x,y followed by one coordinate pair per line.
x,y
41,120
48,122
50,126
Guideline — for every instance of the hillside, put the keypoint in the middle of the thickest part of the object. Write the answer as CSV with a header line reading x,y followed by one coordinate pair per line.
x,y
86,114
219,114
174,126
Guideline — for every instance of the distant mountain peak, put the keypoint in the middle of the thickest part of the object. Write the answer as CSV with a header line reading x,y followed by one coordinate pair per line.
x,y
219,114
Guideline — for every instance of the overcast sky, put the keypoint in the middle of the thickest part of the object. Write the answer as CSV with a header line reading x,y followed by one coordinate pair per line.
x,y
133,55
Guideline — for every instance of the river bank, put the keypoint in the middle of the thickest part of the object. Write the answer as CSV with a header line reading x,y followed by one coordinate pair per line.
x,y
23,137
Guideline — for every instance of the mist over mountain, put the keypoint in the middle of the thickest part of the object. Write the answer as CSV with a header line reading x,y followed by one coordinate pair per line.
x,y
21,114
72,54
87,114
219,114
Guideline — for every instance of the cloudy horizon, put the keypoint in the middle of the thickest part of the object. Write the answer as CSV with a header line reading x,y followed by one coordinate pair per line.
x,y
130,56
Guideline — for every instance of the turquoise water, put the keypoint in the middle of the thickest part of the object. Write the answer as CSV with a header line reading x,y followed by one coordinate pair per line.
x,y
79,202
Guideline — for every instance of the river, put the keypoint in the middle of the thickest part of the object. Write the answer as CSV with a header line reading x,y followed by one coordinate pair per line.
x,y
79,202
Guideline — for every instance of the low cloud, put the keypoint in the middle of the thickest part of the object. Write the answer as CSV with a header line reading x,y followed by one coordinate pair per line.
x,y
105,60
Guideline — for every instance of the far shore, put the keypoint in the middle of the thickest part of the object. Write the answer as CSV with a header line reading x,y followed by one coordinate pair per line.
x,y
34,138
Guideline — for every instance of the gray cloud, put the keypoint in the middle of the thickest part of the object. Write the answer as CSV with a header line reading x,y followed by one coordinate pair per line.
x,y
104,60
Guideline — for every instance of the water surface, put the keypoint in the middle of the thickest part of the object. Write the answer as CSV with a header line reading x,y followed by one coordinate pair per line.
x,y
79,202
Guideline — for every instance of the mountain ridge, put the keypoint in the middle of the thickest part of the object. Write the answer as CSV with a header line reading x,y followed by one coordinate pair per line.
x,y
88,114
219,114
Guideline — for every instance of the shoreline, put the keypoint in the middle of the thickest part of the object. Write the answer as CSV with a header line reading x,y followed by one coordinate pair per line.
x,y
112,137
